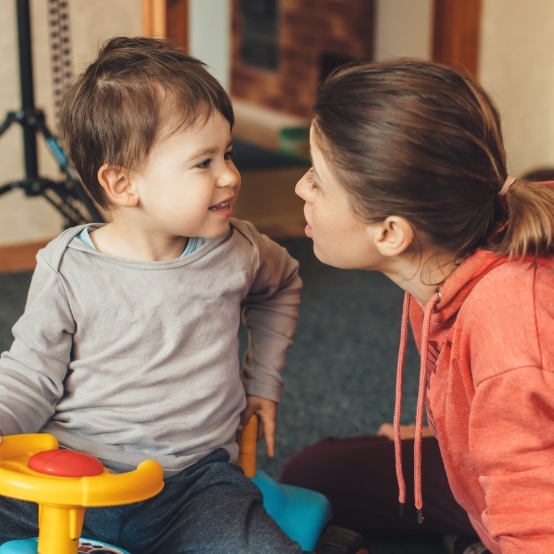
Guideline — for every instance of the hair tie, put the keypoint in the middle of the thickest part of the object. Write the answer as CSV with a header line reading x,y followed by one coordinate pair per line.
x,y
507,184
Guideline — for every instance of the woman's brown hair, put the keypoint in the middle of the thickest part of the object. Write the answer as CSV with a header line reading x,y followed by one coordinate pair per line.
x,y
422,141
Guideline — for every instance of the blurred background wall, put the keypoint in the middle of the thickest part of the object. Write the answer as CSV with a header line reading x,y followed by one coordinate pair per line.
x,y
28,219
515,64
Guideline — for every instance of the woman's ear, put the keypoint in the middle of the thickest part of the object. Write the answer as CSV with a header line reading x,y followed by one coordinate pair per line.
x,y
117,185
394,235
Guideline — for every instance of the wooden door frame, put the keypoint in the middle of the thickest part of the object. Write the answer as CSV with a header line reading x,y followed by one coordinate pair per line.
x,y
456,32
154,18
166,19
455,40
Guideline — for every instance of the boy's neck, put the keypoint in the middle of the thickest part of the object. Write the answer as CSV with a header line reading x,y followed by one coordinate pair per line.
x,y
120,240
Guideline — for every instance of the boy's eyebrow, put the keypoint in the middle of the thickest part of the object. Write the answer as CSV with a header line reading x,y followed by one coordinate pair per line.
x,y
210,151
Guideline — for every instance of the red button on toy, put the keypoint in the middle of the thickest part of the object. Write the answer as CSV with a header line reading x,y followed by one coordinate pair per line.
x,y
65,463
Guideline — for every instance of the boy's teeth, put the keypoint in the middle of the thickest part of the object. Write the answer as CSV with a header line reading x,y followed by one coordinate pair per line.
x,y
222,206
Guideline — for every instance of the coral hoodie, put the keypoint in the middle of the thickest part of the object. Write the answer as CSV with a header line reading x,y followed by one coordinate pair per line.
x,y
487,348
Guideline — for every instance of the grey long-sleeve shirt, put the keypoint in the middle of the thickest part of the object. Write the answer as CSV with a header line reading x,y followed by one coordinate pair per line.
x,y
132,360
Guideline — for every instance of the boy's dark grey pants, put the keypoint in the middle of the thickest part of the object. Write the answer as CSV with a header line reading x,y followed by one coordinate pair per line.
x,y
210,507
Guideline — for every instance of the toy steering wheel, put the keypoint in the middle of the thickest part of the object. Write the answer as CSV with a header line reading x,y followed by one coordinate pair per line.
x,y
64,482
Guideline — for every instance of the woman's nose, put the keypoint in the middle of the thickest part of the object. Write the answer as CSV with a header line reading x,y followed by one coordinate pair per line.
x,y
302,188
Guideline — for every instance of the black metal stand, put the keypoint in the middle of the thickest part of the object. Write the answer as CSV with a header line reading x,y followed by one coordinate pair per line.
x,y
68,196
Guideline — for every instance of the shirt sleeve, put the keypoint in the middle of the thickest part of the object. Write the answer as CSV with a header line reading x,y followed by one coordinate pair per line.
x,y
270,314
33,370
514,456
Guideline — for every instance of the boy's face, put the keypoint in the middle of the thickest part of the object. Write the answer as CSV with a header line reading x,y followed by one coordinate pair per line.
x,y
189,184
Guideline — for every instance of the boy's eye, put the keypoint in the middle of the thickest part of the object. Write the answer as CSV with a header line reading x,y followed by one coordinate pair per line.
x,y
229,154
205,164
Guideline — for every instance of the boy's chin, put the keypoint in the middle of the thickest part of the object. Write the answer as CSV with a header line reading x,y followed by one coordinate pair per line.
x,y
222,231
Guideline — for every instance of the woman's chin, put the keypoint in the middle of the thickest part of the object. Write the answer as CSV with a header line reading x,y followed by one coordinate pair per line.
x,y
321,255
337,261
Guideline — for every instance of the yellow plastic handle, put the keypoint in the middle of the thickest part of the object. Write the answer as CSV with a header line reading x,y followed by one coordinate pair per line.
x,y
109,489
62,500
18,446
17,480
247,440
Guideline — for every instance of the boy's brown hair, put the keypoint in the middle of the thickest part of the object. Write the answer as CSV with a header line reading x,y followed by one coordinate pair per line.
x,y
137,91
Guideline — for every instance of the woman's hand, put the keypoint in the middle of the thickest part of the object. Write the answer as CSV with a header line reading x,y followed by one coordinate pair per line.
x,y
267,412
406,431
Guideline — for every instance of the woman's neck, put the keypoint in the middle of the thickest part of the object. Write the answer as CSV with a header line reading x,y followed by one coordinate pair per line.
x,y
421,275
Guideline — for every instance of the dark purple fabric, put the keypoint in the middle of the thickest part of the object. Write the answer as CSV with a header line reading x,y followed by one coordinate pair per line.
x,y
358,477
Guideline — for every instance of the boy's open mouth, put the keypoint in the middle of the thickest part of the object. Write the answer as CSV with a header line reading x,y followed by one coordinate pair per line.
x,y
221,206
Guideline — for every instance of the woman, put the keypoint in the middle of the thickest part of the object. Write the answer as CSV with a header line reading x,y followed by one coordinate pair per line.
x,y
409,178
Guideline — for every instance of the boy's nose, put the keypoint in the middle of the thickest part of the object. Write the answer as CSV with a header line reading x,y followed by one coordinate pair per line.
x,y
229,176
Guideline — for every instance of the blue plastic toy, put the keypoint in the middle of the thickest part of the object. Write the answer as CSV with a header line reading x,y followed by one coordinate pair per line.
x,y
301,513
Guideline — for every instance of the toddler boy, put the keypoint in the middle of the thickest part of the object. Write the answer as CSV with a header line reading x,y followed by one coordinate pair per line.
x,y
128,346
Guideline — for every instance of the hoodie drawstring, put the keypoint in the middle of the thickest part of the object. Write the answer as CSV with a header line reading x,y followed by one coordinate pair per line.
x,y
398,403
418,495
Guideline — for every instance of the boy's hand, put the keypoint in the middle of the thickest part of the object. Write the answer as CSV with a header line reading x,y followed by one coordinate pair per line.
x,y
267,412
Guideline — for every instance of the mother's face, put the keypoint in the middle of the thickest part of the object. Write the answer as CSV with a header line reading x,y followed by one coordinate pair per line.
x,y
340,238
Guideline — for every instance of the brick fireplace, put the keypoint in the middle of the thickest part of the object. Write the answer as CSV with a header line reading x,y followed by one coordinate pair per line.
x,y
281,49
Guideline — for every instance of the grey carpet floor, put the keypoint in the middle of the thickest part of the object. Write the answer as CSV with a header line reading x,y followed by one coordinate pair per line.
x,y
341,369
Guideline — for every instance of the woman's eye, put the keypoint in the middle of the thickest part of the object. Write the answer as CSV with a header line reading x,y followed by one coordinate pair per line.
x,y
229,155
205,164
310,178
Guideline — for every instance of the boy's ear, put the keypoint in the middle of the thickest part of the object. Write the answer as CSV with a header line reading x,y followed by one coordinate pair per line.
x,y
117,185
394,236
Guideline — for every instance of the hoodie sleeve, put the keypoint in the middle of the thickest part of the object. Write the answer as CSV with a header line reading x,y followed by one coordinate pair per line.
x,y
270,314
514,456
33,370
511,426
